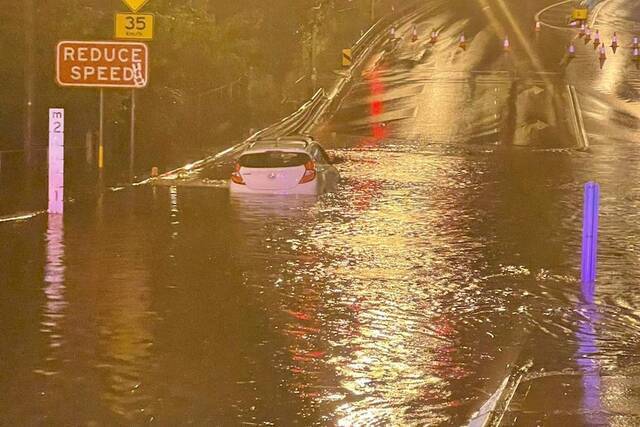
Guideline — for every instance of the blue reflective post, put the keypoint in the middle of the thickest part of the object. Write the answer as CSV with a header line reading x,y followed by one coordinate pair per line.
x,y
590,232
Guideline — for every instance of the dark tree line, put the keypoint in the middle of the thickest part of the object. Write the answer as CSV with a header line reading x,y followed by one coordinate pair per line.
x,y
217,69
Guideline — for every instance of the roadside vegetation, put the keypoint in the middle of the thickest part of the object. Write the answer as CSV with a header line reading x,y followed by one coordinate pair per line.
x,y
218,69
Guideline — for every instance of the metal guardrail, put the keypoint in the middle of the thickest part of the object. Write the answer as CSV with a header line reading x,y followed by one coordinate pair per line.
x,y
367,36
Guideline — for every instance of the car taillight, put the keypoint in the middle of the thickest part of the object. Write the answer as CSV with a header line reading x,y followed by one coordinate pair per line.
x,y
236,177
309,173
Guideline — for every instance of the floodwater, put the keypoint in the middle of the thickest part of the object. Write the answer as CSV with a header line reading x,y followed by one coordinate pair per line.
x,y
446,262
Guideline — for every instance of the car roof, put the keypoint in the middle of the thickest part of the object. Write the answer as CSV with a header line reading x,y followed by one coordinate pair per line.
x,y
287,143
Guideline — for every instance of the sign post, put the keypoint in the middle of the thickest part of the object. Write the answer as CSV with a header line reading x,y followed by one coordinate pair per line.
x,y
101,140
133,26
104,64
56,161
132,134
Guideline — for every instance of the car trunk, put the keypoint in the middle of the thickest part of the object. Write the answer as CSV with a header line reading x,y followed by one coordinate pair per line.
x,y
273,170
272,178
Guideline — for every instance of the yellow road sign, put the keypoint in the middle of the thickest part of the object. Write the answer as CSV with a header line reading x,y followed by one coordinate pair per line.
x,y
135,5
132,26
579,14
346,58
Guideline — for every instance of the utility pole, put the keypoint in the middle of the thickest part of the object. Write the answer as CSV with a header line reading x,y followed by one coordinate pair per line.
x,y
29,79
314,41
314,72
132,137
314,50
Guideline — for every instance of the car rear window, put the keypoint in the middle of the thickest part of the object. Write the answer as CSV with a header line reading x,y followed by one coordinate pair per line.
x,y
273,159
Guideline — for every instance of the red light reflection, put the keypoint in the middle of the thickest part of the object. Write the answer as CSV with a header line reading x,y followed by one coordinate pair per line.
x,y
376,109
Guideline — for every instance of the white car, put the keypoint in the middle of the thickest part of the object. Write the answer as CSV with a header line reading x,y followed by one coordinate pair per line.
x,y
287,165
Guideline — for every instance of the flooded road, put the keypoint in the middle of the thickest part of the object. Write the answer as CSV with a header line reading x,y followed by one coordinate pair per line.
x,y
447,260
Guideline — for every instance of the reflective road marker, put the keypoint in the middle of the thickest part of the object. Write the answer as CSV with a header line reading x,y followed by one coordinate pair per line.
x,y
590,232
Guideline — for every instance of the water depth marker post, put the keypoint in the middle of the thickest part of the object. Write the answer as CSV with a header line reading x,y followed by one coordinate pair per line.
x,y
590,232
56,161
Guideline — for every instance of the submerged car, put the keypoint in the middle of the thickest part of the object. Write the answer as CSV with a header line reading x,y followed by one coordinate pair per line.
x,y
288,165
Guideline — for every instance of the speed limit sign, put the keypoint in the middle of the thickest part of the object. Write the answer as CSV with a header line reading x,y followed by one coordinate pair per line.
x,y
134,26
